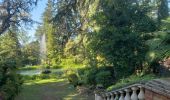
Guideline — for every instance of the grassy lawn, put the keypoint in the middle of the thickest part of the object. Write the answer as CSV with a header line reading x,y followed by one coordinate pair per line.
x,y
50,89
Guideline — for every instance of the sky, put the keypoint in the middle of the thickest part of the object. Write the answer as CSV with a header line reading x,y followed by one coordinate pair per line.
x,y
36,15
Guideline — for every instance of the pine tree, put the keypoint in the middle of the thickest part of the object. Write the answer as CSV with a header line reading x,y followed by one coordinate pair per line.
x,y
163,10
10,56
50,32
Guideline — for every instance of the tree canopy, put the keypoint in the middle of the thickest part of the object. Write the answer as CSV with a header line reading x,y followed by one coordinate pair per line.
x,y
15,12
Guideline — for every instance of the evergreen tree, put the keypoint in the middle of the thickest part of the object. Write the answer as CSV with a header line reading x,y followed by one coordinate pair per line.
x,y
10,82
51,36
163,10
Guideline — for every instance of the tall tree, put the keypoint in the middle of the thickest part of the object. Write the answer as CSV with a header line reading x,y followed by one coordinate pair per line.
x,y
50,33
15,12
10,56
30,53
113,29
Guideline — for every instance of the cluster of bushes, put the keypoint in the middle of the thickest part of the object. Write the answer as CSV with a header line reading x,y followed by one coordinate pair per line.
x,y
92,76
10,82
46,74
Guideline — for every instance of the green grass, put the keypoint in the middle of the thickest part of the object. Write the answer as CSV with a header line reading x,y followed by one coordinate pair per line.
x,y
131,80
29,67
50,89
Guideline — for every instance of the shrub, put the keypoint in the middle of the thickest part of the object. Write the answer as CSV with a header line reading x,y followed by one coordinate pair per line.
x,y
93,75
11,86
55,66
90,76
44,76
46,71
103,78
47,66
73,79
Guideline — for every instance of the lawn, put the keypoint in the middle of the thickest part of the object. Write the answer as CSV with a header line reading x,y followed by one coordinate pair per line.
x,y
50,89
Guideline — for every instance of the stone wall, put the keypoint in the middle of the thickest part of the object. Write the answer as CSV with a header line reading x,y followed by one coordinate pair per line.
x,y
158,89
150,95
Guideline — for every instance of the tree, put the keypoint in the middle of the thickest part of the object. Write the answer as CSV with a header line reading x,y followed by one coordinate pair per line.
x,y
163,10
52,38
30,53
15,12
10,59
110,33
113,30
122,40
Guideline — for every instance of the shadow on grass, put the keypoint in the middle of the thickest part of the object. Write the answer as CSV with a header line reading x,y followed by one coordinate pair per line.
x,y
50,89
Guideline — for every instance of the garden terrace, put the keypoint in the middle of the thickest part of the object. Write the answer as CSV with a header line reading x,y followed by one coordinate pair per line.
x,y
158,89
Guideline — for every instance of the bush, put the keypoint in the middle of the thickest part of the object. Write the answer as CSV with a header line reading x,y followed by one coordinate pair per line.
x,y
46,71
47,66
104,78
93,75
44,76
90,76
11,86
56,66
73,79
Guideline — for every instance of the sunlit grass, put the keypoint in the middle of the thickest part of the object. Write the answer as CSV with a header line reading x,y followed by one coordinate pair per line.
x,y
42,81
29,67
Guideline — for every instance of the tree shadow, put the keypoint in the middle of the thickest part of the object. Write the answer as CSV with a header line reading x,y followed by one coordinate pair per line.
x,y
50,90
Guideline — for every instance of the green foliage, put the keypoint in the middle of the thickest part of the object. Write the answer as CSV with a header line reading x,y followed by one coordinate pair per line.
x,y
104,78
94,76
159,44
89,76
121,34
41,76
30,53
121,40
12,15
73,79
163,10
11,87
131,80
10,82
52,39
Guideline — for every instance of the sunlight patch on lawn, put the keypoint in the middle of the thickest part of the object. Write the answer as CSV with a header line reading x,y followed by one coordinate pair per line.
x,y
43,81
70,97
